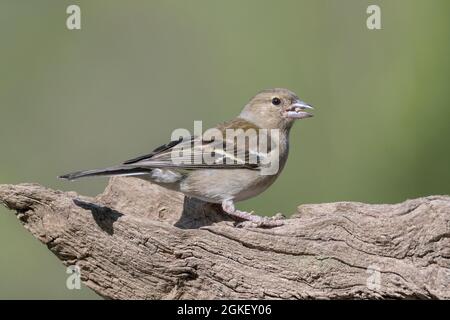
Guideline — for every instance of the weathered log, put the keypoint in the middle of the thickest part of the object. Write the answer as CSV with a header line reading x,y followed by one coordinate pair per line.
x,y
140,241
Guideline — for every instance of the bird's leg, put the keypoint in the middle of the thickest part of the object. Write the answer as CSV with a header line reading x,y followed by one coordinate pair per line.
x,y
250,218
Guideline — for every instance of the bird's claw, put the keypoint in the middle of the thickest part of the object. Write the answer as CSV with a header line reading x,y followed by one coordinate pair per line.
x,y
263,222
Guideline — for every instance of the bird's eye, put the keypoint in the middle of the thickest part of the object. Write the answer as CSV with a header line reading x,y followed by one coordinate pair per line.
x,y
276,101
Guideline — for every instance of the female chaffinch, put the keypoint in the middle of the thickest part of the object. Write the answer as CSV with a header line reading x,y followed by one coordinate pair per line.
x,y
233,171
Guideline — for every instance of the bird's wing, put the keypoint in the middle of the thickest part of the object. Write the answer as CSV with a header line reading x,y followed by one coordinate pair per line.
x,y
156,151
196,152
189,153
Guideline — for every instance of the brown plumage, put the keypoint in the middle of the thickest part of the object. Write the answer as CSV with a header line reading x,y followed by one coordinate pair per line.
x,y
232,175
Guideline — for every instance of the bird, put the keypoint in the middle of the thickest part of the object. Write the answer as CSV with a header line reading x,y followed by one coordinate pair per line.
x,y
234,171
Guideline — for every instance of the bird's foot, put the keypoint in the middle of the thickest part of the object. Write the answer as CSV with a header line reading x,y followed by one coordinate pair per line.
x,y
259,224
252,220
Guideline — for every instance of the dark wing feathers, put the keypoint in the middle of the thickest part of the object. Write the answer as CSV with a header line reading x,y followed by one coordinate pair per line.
x,y
161,157
158,150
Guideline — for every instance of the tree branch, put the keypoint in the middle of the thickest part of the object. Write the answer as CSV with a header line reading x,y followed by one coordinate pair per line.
x,y
140,241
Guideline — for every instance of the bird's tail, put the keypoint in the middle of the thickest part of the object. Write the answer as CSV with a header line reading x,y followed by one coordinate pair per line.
x,y
123,170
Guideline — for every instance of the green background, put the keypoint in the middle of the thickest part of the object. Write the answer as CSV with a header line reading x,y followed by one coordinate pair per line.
x,y
138,69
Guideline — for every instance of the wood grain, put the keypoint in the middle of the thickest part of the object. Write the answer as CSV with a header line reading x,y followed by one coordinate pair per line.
x,y
140,241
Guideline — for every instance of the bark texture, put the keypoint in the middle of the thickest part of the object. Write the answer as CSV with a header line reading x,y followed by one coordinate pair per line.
x,y
140,241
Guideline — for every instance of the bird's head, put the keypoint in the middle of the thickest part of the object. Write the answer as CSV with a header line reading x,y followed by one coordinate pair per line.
x,y
275,108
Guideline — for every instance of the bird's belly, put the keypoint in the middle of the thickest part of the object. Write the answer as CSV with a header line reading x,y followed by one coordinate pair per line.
x,y
216,185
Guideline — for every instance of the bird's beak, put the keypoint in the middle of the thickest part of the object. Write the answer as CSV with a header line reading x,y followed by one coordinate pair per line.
x,y
297,110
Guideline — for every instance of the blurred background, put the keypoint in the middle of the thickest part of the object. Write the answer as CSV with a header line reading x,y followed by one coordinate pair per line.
x,y
136,70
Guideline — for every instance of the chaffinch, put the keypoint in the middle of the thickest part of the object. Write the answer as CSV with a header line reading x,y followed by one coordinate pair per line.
x,y
225,164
